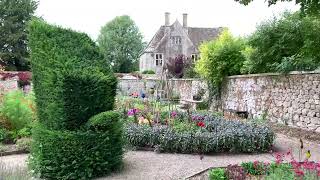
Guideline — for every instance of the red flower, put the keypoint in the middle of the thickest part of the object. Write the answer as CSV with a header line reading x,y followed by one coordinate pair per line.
x,y
299,172
201,124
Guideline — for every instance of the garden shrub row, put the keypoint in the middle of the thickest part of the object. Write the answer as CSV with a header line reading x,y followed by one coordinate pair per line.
x,y
218,135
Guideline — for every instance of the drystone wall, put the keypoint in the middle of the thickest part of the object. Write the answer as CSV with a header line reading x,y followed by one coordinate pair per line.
x,y
8,85
292,99
185,88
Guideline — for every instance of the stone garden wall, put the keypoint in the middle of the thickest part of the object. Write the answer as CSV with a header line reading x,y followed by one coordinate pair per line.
x,y
8,85
292,99
186,88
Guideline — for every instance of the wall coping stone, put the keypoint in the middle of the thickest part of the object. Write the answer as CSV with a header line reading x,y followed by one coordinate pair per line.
x,y
273,74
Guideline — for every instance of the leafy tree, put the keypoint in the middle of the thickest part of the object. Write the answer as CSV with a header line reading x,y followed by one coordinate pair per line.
x,y
121,43
178,65
311,7
284,44
14,15
220,58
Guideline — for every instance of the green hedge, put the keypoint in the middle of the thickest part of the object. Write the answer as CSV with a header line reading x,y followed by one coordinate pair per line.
x,y
104,121
57,57
218,136
86,94
76,154
72,84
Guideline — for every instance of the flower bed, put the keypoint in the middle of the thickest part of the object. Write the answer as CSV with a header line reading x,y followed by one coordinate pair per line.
x,y
285,166
203,134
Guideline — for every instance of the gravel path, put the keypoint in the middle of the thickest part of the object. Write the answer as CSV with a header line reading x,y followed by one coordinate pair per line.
x,y
140,165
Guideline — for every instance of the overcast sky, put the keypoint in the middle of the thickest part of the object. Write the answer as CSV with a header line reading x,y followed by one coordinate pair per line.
x,y
89,15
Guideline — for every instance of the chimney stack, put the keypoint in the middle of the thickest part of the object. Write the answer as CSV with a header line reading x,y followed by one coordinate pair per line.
x,y
185,20
167,19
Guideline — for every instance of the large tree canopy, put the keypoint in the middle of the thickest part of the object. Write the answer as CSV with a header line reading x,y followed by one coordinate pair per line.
x,y
121,43
311,7
286,43
14,15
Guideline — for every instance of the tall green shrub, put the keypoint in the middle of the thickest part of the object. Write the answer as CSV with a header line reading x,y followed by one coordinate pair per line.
x,y
57,55
72,84
288,43
220,58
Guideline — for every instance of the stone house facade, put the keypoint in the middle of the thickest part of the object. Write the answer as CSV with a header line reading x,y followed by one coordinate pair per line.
x,y
172,40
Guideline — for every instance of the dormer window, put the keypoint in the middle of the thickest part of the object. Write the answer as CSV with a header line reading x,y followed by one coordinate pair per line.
x,y
175,39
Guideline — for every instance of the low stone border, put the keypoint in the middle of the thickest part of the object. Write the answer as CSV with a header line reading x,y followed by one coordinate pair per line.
x,y
296,132
8,153
201,172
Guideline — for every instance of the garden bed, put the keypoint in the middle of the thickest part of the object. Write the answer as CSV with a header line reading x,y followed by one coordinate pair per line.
x,y
204,134
285,166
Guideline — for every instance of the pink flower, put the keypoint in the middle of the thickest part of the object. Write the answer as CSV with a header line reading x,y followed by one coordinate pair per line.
x,y
173,114
295,164
279,158
309,165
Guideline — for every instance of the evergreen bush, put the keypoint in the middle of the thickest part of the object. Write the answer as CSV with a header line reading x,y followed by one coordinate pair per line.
x,y
72,84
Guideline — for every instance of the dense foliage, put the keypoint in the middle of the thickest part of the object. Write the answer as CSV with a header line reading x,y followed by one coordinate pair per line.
x,y
77,154
14,15
213,135
63,61
178,66
17,116
73,89
217,174
221,57
310,7
284,44
121,43
18,110
148,72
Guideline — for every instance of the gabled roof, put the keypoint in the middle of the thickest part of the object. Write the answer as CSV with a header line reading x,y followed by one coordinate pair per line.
x,y
199,35
155,40
195,34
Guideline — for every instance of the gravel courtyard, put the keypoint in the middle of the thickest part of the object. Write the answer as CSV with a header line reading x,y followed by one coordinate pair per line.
x,y
140,165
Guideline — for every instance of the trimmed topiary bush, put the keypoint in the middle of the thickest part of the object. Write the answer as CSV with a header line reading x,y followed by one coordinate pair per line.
x,y
95,95
76,154
72,84
104,121
59,56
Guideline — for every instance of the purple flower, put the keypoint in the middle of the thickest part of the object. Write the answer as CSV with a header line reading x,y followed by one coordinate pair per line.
x,y
173,114
132,112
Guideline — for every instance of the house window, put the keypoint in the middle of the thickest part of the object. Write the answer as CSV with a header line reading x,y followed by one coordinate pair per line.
x,y
159,59
194,57
175,39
